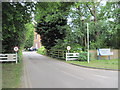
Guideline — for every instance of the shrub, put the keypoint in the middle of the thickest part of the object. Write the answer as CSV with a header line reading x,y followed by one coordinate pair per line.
x,y
42,50
74,47
82,56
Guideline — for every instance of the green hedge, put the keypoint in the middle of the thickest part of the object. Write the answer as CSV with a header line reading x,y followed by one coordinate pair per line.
x,y
42,50
82,56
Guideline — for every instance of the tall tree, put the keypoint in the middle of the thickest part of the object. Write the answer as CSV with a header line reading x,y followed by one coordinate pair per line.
x,y
14,16
29,35
52,21
102,31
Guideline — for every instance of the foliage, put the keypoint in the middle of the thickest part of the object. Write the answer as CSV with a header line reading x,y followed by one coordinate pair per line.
x,y
103,32
15,15
52,22
60,24
29,35
62,46
41,50
112,39
51,31
82,56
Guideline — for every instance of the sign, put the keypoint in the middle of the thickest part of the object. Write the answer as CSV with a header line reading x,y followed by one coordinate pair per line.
x,y
15,49
68,48
104,52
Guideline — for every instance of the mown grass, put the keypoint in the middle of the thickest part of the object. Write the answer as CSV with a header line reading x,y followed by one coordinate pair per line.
x,y
11,73
108,64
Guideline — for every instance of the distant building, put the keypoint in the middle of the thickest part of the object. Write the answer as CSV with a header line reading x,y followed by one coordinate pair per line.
x,y
37,41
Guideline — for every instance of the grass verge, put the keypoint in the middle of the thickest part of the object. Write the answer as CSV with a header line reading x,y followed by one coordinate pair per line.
x,y
108,64
11,73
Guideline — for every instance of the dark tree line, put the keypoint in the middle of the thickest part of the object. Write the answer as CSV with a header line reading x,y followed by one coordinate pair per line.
x,y
14,17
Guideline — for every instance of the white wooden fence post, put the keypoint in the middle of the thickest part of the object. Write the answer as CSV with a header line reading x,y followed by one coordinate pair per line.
x,y
16,57
66,56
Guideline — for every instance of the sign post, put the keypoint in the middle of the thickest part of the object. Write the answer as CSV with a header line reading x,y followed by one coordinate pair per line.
x,y
68,48
88,58
16,49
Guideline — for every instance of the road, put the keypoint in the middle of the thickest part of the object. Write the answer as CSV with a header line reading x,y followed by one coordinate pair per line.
x,y
44,72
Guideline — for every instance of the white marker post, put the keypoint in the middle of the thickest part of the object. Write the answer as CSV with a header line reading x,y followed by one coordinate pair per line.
x,y
68,48
16,49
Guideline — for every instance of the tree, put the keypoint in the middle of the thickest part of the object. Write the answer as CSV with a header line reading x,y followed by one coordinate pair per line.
x,y
51,31
114,27
29,35
102,32
15,15
52,22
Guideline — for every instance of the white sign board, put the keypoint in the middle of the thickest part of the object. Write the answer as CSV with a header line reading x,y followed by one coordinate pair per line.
x,y
15,49
104,52
68,48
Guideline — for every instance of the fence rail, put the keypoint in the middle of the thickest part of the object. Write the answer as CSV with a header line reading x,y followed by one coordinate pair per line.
x,y
60,54
72,56
8,57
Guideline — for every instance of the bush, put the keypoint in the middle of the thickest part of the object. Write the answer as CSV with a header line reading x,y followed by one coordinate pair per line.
x,y
82,56
42,50
20,55
62,46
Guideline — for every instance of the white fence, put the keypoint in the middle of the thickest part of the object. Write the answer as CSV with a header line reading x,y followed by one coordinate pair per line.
x,y
8,57
72,56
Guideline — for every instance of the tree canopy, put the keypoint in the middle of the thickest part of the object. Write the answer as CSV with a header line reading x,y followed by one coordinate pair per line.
x,y
52,22
103,29
29,35
59,24
14,17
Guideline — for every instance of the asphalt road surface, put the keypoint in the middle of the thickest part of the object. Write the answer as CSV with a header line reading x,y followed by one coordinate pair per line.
x,y
44,72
